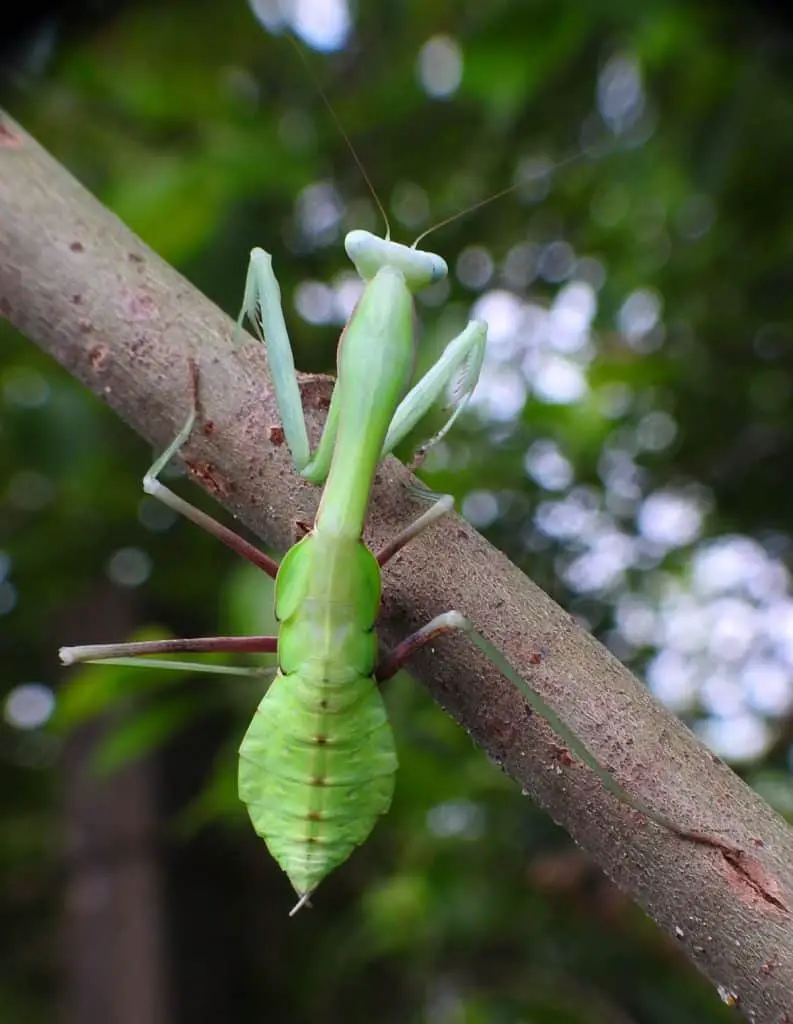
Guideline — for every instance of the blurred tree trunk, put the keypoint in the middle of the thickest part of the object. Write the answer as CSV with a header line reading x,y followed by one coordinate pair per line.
x,y
112,927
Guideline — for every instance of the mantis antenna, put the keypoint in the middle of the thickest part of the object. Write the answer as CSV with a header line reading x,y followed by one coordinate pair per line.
x,y
331,110
567,161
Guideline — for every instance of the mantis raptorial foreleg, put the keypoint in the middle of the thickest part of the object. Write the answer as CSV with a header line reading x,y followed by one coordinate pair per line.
x,y
261,304
457,370
459,367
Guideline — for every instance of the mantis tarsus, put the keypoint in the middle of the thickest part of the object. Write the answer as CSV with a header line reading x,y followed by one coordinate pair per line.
x,y
317,763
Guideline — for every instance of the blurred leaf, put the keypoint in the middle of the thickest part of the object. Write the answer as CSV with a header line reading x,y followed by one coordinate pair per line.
x,y
141,733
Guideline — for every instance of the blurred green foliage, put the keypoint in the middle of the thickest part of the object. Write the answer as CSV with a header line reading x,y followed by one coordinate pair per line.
x,y
206,135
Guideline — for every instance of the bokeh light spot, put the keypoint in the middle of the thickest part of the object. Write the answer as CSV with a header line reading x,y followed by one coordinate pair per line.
x,y
29,705
440,67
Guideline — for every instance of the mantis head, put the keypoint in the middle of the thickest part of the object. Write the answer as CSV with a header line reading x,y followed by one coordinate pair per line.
x,y
370,254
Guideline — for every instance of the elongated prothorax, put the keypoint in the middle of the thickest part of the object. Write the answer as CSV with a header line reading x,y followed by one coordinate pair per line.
x,y
376,354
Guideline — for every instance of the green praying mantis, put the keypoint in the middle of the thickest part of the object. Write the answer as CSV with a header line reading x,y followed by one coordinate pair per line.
x,y
317,763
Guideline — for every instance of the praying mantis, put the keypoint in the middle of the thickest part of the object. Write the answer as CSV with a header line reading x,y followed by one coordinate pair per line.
x,y
317,763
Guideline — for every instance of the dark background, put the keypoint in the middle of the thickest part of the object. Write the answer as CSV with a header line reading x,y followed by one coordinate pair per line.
x,y
630,448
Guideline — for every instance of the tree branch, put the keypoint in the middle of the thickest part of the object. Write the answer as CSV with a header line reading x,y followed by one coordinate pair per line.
x,y
78,283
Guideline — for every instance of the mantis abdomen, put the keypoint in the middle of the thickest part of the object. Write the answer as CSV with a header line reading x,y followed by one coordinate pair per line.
x,y
317,763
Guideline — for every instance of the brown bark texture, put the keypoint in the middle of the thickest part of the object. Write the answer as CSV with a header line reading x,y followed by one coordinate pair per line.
x,y
77,282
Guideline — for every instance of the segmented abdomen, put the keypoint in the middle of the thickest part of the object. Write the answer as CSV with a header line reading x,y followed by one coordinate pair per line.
x,y
317,763
316,771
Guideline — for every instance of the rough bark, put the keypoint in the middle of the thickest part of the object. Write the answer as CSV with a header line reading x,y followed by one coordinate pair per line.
x,y
80,285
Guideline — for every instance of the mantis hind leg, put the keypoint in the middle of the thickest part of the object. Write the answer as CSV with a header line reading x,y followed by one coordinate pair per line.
x,y
454,621
153,486
127,653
